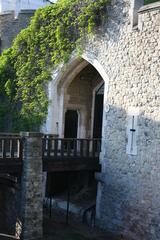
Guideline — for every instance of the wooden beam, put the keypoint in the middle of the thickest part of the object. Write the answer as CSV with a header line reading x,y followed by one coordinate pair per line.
x,y
70,165
7,237
10,166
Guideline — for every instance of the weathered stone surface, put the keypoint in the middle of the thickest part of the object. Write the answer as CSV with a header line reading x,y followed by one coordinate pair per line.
x,y
32,199
129,192
128,59
128,199
9,208
11,26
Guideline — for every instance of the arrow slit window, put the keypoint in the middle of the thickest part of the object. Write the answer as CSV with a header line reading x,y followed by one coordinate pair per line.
x,y
132,130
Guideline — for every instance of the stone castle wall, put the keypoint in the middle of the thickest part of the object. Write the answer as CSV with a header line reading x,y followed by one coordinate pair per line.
x,y
2,207
9,209
18,5
126,52
11,26
128,199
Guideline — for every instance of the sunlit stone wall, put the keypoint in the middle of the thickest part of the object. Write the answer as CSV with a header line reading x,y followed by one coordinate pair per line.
x,y
18,5
128,199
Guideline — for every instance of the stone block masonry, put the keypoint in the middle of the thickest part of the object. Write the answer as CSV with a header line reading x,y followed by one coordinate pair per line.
x,y
128,200
32,199
11,26
9,207
126,53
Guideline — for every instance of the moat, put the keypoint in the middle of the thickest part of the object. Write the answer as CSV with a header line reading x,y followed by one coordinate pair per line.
x,y
55,228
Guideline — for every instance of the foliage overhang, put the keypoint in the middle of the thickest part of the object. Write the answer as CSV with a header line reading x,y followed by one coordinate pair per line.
x,y
25,69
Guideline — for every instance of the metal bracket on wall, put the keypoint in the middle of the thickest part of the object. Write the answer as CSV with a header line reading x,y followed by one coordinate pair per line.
x,y
132,130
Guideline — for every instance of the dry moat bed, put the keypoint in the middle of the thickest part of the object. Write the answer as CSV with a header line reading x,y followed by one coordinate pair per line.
x,y
55,228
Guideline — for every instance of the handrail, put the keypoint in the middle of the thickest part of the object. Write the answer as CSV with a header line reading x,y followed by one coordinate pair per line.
x,y
9,134
50,136
10,147
10,138
57,153
55,148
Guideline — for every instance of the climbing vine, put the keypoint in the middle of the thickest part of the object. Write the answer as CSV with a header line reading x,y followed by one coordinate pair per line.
x,y
25,69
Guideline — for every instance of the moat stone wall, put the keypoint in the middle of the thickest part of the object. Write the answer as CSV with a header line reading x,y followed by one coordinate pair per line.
x,y
2,212
9,209
21,199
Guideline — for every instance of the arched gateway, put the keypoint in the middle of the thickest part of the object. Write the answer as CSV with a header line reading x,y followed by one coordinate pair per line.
x,y
75,87
77,96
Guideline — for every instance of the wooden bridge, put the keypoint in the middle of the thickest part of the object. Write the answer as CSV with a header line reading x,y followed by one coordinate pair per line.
x,y
58,154
11,150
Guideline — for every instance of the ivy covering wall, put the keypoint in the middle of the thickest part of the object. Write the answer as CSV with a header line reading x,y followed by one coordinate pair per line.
x,y
25,69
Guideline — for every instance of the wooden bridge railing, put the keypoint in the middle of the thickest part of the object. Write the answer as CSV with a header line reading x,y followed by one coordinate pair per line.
x,y
80,153
63,148
10,153
10,147
53,147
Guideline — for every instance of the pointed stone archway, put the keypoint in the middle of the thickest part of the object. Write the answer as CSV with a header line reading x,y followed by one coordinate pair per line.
x,y
62,78
62,97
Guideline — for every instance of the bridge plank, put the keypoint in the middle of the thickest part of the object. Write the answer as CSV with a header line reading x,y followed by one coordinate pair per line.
x,y
71,165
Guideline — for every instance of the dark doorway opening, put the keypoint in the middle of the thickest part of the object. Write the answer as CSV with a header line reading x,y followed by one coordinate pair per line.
x,y
80,186
57,182
71,124
98,112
